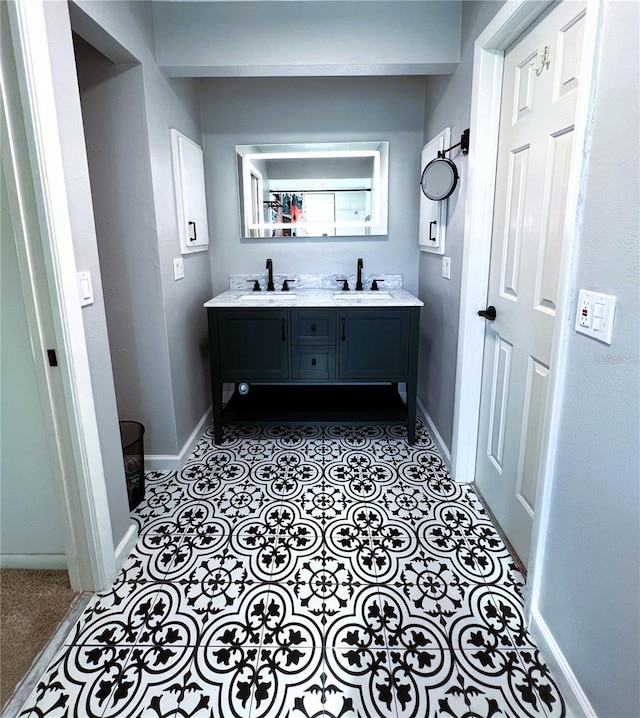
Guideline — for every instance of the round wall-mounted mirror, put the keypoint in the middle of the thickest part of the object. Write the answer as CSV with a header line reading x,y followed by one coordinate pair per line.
x,y
439,178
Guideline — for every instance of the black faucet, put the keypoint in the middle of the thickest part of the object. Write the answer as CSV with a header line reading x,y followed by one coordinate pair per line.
x,y
359,279
270,287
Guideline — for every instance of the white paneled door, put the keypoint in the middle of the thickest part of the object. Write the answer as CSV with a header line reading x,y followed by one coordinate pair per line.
x,y
541,75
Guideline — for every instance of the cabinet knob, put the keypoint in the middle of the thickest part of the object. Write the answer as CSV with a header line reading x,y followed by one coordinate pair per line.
x,y
313,362
313,327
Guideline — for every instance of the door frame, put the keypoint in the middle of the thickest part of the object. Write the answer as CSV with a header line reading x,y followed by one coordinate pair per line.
x,y
33,158
509,23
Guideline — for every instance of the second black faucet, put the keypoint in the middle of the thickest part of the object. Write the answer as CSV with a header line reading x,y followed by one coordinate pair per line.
x,y
270,287
359,287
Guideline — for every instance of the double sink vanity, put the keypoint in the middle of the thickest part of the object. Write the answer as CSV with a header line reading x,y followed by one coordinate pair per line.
x,y
319,354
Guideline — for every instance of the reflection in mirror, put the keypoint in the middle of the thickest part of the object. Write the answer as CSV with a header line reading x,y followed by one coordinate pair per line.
x,y
313,190
439,178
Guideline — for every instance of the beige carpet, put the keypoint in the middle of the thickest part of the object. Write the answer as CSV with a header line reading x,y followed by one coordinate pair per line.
x,y
32,605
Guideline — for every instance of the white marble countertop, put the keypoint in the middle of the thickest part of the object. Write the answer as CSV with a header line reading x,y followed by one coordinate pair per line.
x,y
243,299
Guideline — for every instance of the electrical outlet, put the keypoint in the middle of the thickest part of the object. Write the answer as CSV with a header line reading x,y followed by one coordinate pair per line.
x,y
178,268
584,313
446,267
595,315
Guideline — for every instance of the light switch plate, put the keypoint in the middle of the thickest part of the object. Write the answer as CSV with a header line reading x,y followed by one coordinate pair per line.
x,y
85,288
178,268
594,316
446,267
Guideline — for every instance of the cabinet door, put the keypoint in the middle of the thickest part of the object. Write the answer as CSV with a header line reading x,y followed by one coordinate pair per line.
x,y
433,215
253,344
189,188
374,344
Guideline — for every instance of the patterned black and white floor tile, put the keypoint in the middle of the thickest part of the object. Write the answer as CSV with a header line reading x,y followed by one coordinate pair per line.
x,y
306,572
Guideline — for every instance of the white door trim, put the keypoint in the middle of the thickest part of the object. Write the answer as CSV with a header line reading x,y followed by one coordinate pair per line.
x,y
508,24
488,62
83,483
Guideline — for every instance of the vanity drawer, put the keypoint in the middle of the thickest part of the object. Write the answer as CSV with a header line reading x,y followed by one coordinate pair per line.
x,y
313,326
309,362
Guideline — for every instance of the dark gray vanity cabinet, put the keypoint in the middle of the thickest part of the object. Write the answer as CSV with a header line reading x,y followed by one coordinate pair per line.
x,y
374,344
313,344
325,365
253,344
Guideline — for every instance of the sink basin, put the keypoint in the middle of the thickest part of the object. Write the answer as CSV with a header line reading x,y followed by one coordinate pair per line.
x,y
366,296
264,296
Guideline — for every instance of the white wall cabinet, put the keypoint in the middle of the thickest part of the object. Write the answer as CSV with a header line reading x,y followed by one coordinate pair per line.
x,y
191,204
433,215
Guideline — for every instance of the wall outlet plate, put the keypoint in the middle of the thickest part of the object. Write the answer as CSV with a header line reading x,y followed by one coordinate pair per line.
x,y
594,316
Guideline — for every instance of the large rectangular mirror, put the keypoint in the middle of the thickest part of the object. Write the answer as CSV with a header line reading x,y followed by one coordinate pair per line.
x,y
313,190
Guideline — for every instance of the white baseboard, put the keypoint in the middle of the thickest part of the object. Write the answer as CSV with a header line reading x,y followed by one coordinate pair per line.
x,y
50,561
175,462
578,705
126,546
162,462
441,446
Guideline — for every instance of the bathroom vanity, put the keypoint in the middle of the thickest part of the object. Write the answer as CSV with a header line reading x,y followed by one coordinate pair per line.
x,y
314,356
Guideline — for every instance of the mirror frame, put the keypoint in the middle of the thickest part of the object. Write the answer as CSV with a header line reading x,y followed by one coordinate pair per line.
x,y
250,186
446,190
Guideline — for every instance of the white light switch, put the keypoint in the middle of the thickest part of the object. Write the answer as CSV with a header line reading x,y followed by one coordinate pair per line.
x,y
595,315
85,288
599,313
178,268
446,267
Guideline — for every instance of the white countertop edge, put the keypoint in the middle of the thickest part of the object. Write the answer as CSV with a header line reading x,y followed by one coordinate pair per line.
x,y
309,298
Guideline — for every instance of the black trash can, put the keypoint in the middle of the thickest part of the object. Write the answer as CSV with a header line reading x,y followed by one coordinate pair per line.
x,y
131,433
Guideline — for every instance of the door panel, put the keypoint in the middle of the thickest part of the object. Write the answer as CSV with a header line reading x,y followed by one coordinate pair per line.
x,y
541,76
524,87
554,203
499,399
534,403
518,171
570,40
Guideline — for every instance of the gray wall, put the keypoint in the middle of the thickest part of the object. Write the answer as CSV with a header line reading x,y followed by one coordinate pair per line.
x,y
172,378
591,572
29,517
447,104
176,103
86,256
276,110
126,30
220,39
120,170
